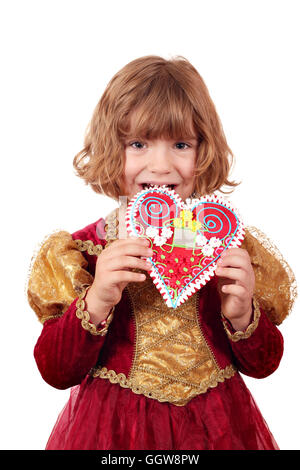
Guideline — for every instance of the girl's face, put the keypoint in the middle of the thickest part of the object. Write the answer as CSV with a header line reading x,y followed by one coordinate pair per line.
x,y
160,161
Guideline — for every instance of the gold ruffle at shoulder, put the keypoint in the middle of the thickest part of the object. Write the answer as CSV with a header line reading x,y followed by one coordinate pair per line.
x,y
275,283
57,276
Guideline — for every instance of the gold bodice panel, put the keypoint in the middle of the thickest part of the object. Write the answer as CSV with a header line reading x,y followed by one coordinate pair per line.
x,y
172,358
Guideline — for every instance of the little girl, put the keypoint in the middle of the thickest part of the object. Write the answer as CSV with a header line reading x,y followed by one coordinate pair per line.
x,y
143,375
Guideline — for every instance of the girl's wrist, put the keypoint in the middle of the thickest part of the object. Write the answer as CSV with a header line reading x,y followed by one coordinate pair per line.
x,y
98,310
238,332
241,323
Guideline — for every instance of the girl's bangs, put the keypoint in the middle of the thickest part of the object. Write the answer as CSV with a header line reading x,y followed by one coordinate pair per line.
x,y
164,113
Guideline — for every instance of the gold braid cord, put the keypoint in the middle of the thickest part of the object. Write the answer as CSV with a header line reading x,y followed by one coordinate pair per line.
x,y
238,335
84,316
89,246
123,381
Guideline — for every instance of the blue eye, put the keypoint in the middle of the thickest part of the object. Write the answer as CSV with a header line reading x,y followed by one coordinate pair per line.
x,y
140,144
182,143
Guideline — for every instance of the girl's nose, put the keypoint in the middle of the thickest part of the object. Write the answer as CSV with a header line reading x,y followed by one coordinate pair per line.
x,y
160,161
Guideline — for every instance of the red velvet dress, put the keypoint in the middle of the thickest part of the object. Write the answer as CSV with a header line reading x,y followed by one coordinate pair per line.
x,y
101,414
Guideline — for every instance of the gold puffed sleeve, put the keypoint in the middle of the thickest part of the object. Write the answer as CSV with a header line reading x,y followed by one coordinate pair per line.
x,y
275,283
57,276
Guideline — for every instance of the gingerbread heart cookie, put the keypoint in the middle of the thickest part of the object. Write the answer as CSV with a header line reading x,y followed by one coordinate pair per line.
x,y
186,238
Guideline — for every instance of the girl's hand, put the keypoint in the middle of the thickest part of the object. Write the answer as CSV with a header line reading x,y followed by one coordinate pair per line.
x,y
236,297
113,274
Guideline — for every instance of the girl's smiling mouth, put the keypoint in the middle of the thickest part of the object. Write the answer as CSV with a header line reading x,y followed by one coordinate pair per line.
x,y
152,185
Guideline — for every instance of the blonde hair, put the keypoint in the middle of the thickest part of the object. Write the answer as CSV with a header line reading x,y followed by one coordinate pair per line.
x,y
171,100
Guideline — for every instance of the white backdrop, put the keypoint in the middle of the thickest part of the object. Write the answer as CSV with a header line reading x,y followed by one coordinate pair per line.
x,y
56,59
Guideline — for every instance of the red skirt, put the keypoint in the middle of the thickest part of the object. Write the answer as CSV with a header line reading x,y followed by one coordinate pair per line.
x,y
104,416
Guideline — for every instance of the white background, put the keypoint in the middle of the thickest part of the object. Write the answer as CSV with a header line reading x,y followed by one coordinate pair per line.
x,y
56,59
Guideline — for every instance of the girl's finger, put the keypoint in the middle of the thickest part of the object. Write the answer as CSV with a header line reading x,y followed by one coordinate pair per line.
x,y
129,249
120,277
234,289
235,251
235,261
125,263
235,274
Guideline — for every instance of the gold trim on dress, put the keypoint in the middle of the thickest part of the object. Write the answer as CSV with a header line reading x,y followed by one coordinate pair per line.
x,y
211,382
84,316
238,335
88,245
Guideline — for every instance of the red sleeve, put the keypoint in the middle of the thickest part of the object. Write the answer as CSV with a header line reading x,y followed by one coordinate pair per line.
x,y
258,355
65,351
